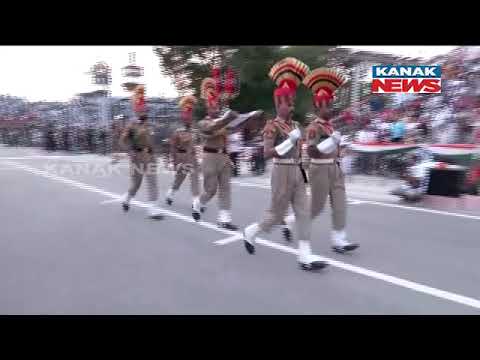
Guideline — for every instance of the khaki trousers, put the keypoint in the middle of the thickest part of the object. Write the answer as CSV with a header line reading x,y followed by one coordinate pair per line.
x,y
217,170
328,180
288,188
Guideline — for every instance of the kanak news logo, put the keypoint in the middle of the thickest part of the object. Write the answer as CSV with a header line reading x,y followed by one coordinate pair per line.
x,y
406,79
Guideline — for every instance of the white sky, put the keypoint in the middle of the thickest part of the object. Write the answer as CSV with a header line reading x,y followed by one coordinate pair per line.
x,y
57,73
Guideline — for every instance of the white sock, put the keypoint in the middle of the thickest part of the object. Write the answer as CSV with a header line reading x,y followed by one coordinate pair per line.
x,y
339,238
290,221
251,232
304,251
127,198
196,204
224,216
170,193
153,208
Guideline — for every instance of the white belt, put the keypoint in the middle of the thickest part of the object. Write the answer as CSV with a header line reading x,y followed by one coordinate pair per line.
x,y
322,161
285,161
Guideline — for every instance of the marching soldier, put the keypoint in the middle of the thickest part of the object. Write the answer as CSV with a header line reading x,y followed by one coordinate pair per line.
x,y
216,165
281,141
182,145
325,174
137,138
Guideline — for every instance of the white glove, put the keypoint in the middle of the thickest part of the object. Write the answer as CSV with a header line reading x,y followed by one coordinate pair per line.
x,y
294,135
337,137
284,147
327,146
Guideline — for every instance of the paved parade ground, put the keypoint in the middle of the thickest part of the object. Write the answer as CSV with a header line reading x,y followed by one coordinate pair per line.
x,y
66,247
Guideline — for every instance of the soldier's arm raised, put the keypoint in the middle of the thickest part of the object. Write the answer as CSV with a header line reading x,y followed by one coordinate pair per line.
x,y
210,127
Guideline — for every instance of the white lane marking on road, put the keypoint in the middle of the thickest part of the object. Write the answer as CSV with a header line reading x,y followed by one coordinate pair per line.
x,y
442,294
141,204
439,212
229,239
356,202
446,295
110,201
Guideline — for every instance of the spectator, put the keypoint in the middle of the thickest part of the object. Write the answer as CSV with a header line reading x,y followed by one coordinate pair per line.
x,y
235,147
397,131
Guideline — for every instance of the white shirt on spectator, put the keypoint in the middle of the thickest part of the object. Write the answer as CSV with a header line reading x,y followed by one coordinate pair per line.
x,y
364,136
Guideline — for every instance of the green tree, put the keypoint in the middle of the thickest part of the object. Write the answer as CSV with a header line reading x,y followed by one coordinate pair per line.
x,y
188,65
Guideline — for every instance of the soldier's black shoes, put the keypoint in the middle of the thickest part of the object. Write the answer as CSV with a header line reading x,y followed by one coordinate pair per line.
x,y
249,247
125,207
169,201
156,217
228,226
313,266
287,234
196,215
344,249
202,209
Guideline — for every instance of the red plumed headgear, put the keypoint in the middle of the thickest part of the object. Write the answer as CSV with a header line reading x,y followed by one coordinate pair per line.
x,y
209,91
324,83
287,75
138,100
186,105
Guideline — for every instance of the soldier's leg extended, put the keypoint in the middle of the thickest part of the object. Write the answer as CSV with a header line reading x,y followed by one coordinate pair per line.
x,y
319,189
152,187
280,200
303,223
194,181
224,194
210,183
319,176
136,176
180,176
195,185
338,201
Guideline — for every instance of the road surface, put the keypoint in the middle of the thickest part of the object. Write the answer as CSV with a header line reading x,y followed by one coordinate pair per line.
x,y
66,247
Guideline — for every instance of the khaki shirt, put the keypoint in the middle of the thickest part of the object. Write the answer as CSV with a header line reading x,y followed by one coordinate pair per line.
x,y
141,136
274,133
213,133
183,139
317,131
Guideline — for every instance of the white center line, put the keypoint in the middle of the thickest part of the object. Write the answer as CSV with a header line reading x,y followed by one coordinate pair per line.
x,y
110,201
229,240
438,293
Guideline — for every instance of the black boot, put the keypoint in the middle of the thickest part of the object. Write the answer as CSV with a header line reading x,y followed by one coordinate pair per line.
x,y
346,248
249,247
287,234
313,266
169,201
125,206
195,215
228,226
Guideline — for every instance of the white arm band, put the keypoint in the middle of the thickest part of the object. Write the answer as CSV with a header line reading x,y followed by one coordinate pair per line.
x,y
326,146
284,147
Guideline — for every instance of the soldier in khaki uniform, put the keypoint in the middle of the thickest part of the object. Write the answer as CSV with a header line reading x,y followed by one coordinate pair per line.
x,y
137,138
216,165
325,174
182,149
281,141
